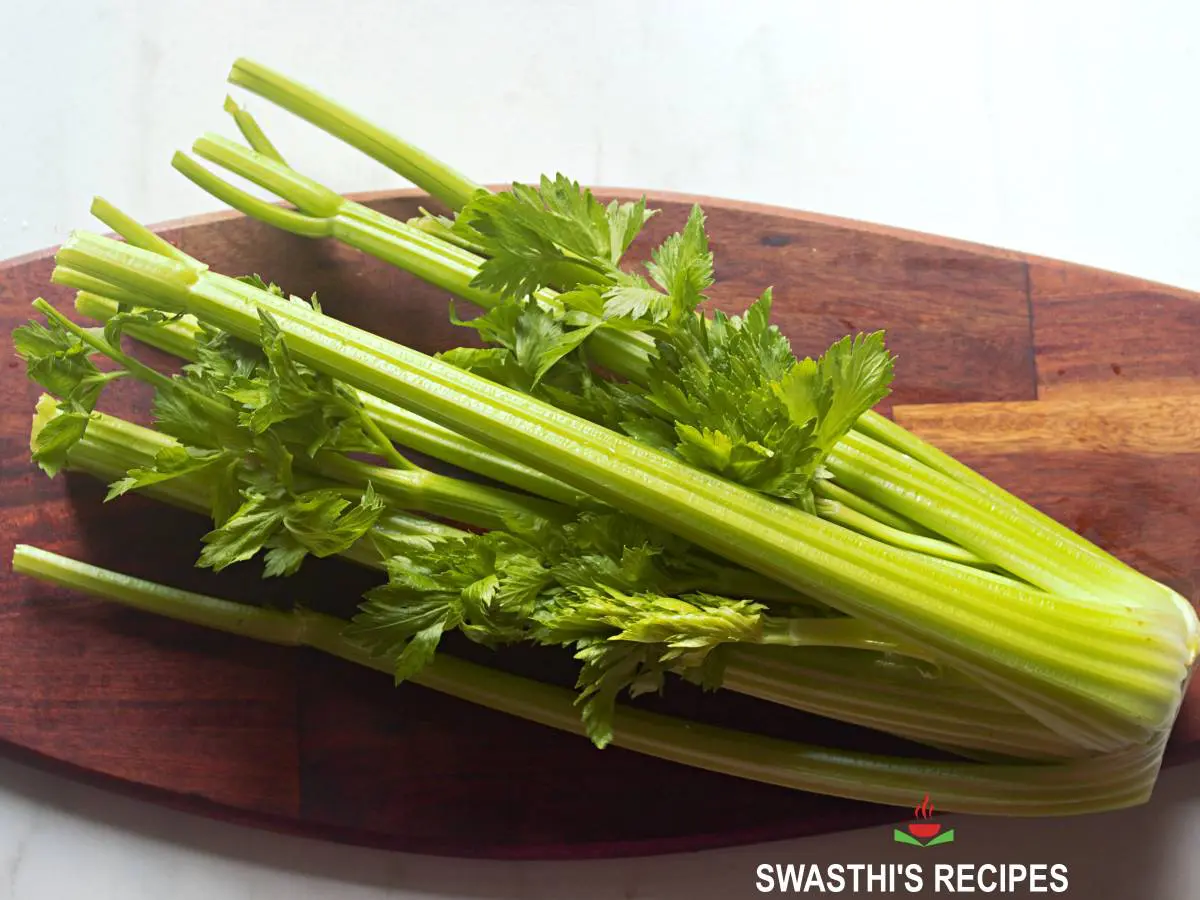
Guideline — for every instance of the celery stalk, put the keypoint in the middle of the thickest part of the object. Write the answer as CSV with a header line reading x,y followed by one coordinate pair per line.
x,y
1113,781
1122,688
411,488
251,131
324,213
921,703
409,162
875,432
987,522
179,339
112,446
983,522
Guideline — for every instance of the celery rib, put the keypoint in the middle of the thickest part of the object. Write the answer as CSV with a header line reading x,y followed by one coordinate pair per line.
x,y
835,511
1120,779
179,339
479,505
825,489
111,447
1000,533
443,182
251,131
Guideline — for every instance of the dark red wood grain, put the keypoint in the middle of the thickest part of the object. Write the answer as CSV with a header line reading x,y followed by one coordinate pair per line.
x,y
294,741
1100,335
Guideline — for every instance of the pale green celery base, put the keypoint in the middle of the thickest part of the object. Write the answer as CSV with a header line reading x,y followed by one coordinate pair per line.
x,y
1006,534
926,704
883,430
1118,780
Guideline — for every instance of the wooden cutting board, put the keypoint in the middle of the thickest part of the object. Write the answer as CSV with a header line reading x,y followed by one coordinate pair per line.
x,y
1077,389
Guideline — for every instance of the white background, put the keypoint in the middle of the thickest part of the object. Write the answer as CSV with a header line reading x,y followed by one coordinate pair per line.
x,y
1063,129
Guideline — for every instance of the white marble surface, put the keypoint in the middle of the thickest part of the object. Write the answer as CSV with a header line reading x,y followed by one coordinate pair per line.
x,y
1065,129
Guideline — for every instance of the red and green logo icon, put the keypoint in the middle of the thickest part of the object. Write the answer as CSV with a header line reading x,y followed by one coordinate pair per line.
x,y
923,833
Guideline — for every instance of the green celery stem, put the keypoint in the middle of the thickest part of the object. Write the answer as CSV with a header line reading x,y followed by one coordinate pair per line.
x,y
179,339
448,446
478,505
1118,780
407,161
252,132
111,447
837,632
830,490
437,262
1004,534
835,511
883,431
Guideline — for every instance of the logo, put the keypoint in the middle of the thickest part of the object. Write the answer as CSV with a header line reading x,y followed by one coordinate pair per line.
x,y
923,833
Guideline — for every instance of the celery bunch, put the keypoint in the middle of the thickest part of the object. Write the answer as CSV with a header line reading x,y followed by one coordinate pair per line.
x,y
682,496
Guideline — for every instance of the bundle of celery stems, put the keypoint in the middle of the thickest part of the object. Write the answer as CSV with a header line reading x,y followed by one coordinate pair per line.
x,y
665,494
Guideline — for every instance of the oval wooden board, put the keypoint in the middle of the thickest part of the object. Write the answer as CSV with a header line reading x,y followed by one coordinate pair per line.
x,y
1075,388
